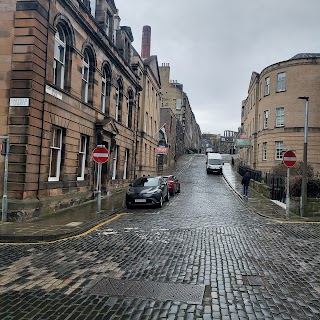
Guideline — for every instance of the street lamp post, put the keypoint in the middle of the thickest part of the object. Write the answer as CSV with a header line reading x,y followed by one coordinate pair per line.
x,y
303,203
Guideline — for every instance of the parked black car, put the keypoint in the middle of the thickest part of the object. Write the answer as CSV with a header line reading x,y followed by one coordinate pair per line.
x,y
147,191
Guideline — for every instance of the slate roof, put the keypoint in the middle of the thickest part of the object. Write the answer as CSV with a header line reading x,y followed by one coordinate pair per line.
x,y
305,56
112,4
128,31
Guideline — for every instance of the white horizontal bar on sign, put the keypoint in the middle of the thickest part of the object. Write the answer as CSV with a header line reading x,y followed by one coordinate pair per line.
x,y
290,158
100,155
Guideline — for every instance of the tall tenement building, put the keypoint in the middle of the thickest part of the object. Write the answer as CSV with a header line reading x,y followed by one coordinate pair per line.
x,y
71,80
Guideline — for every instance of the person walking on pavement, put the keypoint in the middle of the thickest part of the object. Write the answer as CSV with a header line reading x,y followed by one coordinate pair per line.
x,y
246,182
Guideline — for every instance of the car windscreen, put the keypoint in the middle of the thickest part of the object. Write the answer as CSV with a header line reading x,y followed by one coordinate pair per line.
x,y
146,182
215,161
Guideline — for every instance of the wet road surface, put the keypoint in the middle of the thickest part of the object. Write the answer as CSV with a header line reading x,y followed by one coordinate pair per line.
x,y
202,256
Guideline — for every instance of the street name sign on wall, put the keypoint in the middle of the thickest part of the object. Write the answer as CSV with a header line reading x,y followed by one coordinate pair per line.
x,y
19,102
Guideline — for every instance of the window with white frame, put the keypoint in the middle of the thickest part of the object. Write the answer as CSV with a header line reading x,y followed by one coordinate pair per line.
x,y
280,117
119,99
93,7
85,76
127,111
279,150
265,119
109,24
103,91
264,151
82,154
125,166
281,86
267,86
178,104
115,161
130,105
55,154
59,57
117,103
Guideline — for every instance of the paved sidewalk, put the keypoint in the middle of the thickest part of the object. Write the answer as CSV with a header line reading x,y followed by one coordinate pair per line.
x,y
65,223
79,219
256,202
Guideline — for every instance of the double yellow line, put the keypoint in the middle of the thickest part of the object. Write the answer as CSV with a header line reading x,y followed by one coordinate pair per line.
x,y
67,238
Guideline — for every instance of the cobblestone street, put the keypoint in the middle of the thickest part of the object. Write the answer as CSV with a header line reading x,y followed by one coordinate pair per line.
x,y
204,255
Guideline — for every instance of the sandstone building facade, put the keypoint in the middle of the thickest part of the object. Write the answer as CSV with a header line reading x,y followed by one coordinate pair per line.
x,y
70,82
173,97
273,117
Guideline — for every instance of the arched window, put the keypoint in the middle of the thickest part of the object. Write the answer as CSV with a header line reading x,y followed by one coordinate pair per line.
x,y
129,110
59,57
105,89
119,99
85,76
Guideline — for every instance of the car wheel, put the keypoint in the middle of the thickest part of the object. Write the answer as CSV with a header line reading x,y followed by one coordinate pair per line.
x,y
160,202
168,196
172,193
129,206
178,191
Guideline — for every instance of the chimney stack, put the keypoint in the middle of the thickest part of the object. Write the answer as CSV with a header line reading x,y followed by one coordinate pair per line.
x,y
146,42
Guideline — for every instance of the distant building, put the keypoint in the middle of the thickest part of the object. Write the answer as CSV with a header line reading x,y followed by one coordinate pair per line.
x,y
227,142
176,99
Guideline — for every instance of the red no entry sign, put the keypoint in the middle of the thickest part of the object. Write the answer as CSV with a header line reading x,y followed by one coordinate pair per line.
x,y
289,158
100,154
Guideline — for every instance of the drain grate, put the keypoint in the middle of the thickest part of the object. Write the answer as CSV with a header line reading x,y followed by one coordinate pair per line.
x,y
192,294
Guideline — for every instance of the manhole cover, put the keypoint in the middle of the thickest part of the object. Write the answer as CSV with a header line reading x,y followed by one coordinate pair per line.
x,y
192,294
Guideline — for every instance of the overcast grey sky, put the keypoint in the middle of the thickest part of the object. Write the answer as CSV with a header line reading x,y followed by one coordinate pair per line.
x,y
213,46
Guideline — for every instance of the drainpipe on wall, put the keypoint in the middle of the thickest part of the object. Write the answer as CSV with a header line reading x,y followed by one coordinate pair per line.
x,y
136,138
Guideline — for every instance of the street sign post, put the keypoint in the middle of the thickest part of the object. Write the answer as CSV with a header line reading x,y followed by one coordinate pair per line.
x,y
100,155
289,159
5,153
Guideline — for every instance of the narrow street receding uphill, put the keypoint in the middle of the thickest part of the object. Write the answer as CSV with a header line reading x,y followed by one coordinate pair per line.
x,y
204,255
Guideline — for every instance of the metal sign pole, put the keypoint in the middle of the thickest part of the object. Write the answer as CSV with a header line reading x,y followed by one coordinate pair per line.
x,y
99,186
288,193
5,180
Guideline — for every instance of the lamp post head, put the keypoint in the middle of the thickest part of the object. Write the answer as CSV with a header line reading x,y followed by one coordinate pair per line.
x,y
304,98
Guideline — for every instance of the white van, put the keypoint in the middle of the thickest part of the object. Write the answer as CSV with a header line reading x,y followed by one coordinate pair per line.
x,y
214,163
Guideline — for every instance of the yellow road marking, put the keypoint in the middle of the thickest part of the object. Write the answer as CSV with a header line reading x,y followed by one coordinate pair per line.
x,y
67,238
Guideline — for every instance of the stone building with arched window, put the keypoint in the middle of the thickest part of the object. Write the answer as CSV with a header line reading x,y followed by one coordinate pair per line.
x,y
67,85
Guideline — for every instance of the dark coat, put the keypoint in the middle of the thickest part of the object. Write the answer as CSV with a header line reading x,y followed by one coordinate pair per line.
x,y
246,180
